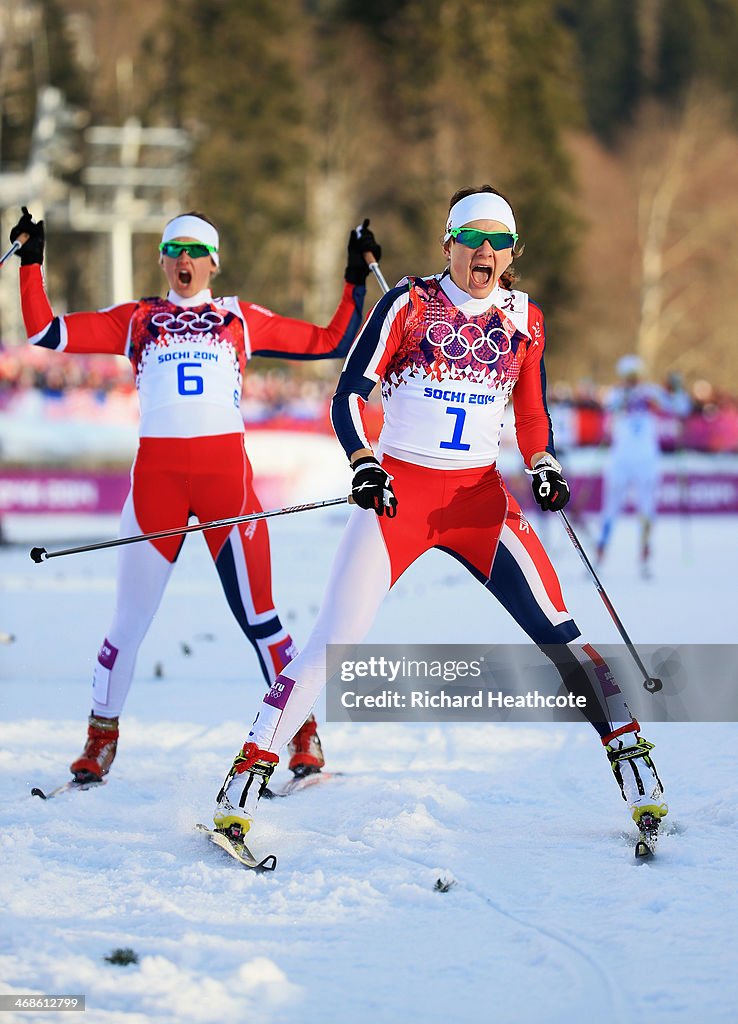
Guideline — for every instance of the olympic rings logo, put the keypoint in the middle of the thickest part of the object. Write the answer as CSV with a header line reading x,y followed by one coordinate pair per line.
x,y
187,320
469,339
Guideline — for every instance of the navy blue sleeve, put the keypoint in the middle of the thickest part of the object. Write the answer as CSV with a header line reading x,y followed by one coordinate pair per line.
x,y
364,366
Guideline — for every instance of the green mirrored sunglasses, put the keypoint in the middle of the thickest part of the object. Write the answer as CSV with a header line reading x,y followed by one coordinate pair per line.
x,y
473,239
195,249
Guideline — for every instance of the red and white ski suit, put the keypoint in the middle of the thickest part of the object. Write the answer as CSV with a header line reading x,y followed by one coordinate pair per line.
x,y
188,357
447,364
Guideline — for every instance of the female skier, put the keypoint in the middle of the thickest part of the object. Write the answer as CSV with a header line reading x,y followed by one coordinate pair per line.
x,y
449,352
189,353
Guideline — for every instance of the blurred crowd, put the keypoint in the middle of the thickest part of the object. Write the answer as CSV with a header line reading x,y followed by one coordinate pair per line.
x,y
710,423
101,389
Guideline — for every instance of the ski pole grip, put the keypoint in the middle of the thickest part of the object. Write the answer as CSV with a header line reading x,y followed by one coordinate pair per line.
x,y
374,267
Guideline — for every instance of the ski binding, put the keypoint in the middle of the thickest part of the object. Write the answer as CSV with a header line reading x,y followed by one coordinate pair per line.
x,y
232,842
648,827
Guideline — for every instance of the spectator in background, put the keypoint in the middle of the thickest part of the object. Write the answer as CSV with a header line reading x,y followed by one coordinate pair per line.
x,y
672,432
634,463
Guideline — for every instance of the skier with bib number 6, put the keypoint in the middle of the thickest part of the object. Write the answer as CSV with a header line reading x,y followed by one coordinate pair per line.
x,y
189,352
449,352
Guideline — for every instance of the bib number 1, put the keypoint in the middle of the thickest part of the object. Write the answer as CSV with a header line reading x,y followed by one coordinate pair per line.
x,y
455,444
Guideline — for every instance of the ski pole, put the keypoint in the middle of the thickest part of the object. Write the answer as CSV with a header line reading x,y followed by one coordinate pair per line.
x,y
650,683
41,554
374,267
372,263
14,248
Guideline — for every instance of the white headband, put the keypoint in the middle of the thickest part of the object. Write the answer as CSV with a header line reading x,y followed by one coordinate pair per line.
x,y
188,226
480,206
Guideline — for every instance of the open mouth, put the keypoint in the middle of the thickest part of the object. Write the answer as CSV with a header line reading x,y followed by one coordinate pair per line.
x,y
481,275
184,277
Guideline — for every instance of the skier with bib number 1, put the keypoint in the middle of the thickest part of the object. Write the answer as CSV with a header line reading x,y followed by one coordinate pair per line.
x,y
449,352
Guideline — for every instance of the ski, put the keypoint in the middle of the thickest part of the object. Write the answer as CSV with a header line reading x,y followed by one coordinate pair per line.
x,y
67,787
648,828
236,848
299,782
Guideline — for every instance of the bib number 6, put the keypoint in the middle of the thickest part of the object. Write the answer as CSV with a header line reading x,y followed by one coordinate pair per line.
x,y
189,383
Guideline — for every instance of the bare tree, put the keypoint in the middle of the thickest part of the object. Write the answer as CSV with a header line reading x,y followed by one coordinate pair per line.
x,y
685,186
658,250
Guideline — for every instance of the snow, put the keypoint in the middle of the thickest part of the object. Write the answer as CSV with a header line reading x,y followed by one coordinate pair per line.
x,y
549,919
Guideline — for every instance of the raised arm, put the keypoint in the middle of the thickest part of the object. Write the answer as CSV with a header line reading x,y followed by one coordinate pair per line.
x,y
282,337
102,332
105,331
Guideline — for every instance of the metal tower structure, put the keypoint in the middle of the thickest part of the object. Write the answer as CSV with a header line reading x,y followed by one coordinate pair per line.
x,y
131,180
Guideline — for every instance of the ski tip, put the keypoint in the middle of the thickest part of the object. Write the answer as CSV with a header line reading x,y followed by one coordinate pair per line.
x,y
643,852
298,783
67,787
268,864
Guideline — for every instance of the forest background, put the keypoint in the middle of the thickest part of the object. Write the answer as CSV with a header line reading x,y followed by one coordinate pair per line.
x,y
610,124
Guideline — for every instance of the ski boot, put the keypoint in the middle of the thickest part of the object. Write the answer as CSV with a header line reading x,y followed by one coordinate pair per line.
x,y
244,784
99,753
635,773
305,750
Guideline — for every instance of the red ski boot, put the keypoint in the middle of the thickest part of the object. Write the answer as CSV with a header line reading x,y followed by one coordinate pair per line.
x,y
305,750
99,752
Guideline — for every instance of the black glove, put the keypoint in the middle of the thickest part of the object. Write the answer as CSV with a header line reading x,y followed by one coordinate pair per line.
x,y
32,251
371,487
550,489
361,240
